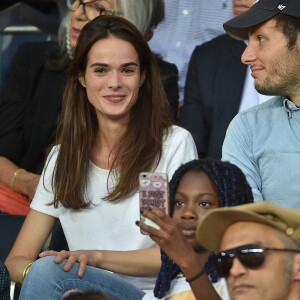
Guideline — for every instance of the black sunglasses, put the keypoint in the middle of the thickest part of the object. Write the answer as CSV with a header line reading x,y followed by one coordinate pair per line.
x,y
251,256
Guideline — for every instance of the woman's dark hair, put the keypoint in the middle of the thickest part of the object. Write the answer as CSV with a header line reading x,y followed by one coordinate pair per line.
x,y
233,189
138,150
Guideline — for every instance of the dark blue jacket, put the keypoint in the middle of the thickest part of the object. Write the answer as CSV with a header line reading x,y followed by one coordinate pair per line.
x,y
213,92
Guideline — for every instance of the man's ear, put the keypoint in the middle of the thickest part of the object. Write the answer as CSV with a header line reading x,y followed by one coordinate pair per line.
x,y
149,36
296,268
81,79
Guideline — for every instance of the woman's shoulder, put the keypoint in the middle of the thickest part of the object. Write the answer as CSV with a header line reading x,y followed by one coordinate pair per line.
x,y
179,138
52,156
55,149
177,131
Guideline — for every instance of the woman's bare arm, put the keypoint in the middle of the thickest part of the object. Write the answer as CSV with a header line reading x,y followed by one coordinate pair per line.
x,y
144,262
33,235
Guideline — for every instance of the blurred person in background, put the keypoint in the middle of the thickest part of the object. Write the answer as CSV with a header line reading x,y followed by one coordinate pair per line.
x,y
188,23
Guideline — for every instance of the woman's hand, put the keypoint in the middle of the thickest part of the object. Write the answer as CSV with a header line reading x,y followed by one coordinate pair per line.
x,y
83,257
169,237
31,181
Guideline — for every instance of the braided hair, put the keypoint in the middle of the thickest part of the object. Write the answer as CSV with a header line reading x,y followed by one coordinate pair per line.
x,y
233,189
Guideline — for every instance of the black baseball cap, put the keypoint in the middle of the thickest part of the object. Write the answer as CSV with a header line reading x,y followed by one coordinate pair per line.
x,y
261,11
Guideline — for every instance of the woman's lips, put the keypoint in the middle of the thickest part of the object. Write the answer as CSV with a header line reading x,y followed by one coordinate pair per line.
x,y
75,32
115,98
188,230
242,288
188,233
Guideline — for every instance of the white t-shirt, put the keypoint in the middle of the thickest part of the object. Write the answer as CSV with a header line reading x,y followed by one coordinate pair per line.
x,y
180,289
109,225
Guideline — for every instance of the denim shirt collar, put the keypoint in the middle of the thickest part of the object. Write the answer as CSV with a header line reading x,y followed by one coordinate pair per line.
x,y
289,106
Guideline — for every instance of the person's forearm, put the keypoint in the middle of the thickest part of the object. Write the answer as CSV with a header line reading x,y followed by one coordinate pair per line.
x,y
32,236
24,182
191,265
16,266
7,170
203,289
144,262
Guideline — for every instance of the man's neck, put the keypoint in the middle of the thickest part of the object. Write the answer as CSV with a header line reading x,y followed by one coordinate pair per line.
x,y
297,103
295,98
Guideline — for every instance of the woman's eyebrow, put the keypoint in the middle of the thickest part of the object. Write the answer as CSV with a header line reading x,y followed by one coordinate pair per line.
x,y
199,194
98,64
130,64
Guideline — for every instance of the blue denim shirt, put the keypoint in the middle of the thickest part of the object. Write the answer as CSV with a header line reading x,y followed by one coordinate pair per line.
x,y
264,142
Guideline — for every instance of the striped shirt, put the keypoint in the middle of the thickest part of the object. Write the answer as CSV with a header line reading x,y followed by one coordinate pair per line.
x,y
188,23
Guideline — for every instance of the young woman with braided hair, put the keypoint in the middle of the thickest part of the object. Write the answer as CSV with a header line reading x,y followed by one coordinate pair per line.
x,y
195,188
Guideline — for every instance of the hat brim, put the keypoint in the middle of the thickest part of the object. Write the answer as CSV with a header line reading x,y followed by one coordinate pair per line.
x,y
238,27
215,223
209,234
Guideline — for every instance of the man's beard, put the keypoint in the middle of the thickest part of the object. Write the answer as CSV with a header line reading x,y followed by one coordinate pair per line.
x,y
284,76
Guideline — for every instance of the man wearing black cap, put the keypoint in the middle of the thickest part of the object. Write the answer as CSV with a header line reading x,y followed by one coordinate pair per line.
x,y
218,86
257,250
264,141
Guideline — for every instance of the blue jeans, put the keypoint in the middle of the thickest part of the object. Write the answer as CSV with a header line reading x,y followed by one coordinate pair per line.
x,y
47,280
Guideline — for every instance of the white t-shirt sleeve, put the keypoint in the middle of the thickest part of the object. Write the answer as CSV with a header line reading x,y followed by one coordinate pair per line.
x,y
179,148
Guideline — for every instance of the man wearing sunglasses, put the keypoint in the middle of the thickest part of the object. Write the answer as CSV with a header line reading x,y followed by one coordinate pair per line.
x,y
257,250
264,141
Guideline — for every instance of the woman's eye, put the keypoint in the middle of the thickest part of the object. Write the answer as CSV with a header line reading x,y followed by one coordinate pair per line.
x,y
100,70
179,203
204,204
261,38
128,71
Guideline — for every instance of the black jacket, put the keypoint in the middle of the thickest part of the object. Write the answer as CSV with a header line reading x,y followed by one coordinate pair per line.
x,y
213,92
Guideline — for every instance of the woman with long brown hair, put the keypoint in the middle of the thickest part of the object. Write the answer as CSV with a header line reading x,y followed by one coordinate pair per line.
x,y
115,123
30,103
